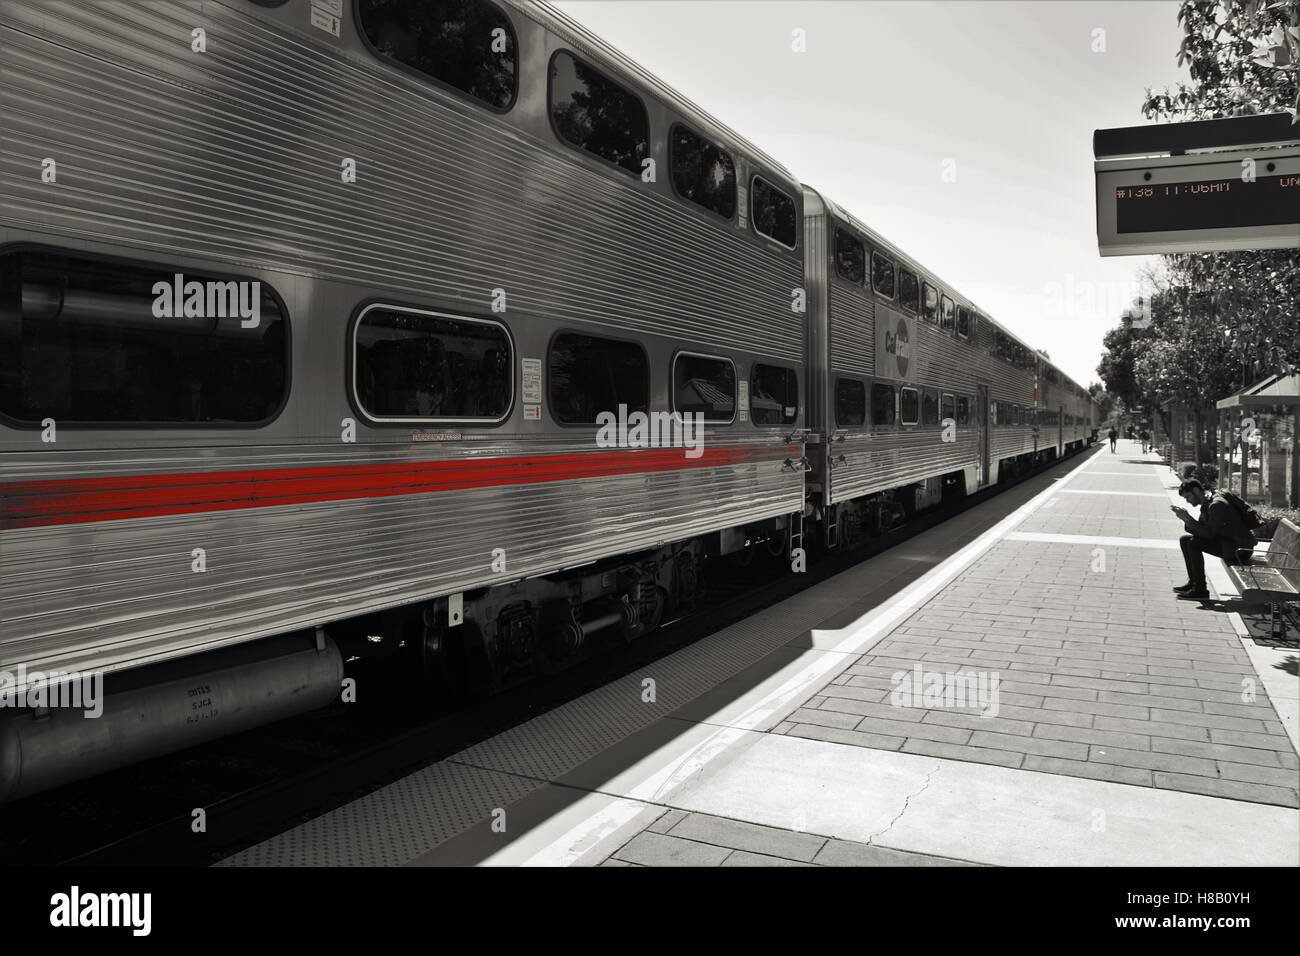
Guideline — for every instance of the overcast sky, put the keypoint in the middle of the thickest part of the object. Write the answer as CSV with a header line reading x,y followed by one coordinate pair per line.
x,y
887,91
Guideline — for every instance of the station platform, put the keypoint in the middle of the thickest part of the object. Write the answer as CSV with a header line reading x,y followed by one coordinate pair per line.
x,y
1097,720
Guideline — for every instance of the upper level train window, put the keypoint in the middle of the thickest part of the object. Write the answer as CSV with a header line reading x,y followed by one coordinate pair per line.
x,y
929,408
703,173
89,342
590,375
425,366
974,324
909,291
963,410
947,408
963,321
773,395
704,385
467,44
850,256
882,275
773,213
884,405
931,304
909,406
595,114
947,314
850,403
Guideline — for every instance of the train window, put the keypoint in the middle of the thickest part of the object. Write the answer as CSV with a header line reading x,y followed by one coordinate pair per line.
x,y
947,314
931,309
703,173
909,291
974,322
963,410
909,406
850,257
773,395
595,114
882,275
947,408
425,366
929,408
705,385
884,404
467,44
110,343
850,403
589,375
773,213
963,322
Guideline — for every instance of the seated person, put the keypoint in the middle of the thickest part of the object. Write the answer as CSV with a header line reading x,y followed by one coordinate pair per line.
x,y
1220,531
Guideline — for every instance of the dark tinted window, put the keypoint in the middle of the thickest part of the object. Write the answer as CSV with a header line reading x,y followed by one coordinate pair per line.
x,y
882,404
850,257
590,375
882,275
963,410
850,403
412,365
929,408
703,173
773,395
467,44
597,115
773,213
909,406
947,408
947,314
909,291
705,385
963,321
931,304
90,342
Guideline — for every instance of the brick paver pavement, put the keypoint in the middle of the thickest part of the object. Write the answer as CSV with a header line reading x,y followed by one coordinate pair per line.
x,y
1100,671
678,838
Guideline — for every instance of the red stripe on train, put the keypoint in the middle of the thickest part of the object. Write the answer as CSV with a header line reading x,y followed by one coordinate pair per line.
x,y
29,504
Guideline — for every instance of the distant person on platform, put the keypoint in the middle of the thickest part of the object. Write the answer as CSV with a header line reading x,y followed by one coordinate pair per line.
x,y
1221,531
1112,435
1146,440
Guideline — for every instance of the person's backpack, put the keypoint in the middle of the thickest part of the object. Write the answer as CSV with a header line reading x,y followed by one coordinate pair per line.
x,y
1248,514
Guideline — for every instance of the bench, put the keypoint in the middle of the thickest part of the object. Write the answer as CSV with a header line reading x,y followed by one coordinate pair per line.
x,y
1274,577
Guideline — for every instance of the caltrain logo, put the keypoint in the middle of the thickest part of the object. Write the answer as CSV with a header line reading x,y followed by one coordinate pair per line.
x,y
897,345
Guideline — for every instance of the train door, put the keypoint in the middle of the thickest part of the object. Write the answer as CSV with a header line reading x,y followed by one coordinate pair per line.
x,y
1060,432
982,423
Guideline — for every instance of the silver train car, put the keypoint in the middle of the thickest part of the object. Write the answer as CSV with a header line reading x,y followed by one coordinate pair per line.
x,y
314,321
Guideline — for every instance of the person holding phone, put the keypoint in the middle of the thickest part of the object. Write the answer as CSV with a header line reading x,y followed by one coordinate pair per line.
x,y
1219,531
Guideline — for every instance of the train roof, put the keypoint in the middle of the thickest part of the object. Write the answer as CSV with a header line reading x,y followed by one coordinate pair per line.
x,y
878,240
582,39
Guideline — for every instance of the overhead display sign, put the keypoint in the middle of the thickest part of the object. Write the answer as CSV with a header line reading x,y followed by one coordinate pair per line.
x,y
1224,185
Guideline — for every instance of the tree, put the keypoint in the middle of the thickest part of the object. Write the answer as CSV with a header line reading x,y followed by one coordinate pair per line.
x,y
1244,58
1104,399
1116,368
